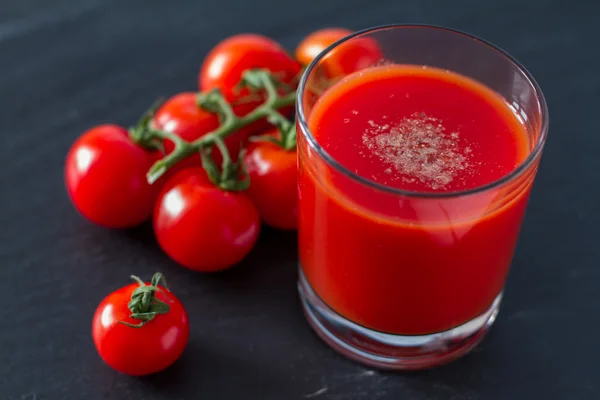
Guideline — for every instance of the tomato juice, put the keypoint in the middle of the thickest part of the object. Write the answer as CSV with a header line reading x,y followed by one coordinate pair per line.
x,y
401,229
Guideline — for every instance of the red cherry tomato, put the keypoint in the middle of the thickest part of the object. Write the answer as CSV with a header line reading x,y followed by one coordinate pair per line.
x,y
182,116
105,174
348,57
143,350
224,65
273,184
201,226
318,41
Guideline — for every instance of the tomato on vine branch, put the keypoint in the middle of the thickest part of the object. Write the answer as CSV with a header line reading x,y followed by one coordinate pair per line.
x,y
271,165
201,226
183,116
227,62
231,175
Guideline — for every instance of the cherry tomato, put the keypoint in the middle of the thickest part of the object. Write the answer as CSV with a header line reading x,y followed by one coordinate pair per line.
x,y
348,57
182,116
224,65
105,174
273,184
318,41
139,350
201,226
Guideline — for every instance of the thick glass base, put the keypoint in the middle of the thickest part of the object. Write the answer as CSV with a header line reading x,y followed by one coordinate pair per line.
x,y
388,351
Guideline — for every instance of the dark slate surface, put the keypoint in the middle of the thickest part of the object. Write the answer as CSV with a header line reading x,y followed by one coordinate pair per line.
x,y
66,65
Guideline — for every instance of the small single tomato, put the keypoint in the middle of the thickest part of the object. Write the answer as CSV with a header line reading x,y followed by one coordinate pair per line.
x,y
105,175
141,328
347,57
225,63
273,183
201,226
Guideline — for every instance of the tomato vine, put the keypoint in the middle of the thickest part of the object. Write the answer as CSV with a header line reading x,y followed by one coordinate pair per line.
x,y
231,175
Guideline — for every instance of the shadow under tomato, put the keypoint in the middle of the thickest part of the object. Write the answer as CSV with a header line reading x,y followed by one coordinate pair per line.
x,y
170,377
216,372
142,234
273,248
273,259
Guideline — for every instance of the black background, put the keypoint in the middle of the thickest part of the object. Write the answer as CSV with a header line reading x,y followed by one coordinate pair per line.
x,y
66,65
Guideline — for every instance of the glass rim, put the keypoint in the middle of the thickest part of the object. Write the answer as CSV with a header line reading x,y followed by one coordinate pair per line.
x,y
515,173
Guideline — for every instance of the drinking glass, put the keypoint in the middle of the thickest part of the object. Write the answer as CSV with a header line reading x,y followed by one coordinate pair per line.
x,y
370,279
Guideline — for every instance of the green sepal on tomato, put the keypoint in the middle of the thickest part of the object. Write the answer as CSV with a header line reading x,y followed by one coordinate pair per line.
x,y
141,328
105,176
201,226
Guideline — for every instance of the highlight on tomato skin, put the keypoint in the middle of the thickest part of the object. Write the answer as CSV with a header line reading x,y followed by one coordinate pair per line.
x,y
273,183
225,63
347,57
203,227
105,177
138,350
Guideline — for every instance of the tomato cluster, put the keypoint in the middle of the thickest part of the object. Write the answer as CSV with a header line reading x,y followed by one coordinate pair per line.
x,y
208,167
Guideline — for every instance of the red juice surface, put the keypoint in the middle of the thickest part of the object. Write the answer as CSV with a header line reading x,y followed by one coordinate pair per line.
x,y
406,264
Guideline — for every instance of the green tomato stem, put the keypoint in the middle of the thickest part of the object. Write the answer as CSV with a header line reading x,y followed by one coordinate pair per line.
x,y
144,305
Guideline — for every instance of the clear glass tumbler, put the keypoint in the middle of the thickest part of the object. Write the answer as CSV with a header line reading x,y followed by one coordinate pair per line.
x,y
418,282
